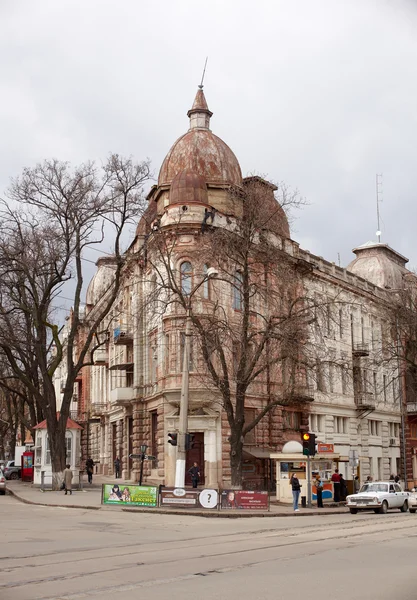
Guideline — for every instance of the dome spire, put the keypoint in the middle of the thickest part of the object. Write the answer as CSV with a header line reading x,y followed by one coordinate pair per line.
x,y
199,113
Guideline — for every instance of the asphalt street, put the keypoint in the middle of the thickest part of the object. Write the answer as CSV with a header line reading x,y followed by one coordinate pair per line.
x,y
70,554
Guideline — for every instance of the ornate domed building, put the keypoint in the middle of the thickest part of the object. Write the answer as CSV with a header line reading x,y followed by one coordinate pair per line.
x,y
356,402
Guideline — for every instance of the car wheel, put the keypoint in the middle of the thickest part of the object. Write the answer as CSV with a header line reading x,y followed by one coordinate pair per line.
x,y
404,507
384,508
353,511
14,475
412,510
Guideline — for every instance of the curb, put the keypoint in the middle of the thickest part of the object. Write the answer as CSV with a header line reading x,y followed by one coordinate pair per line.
x,y
25,501
206,514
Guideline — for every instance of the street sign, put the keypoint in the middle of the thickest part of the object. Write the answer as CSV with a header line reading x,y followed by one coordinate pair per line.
x,y
353,458
323,448
135,455
149,457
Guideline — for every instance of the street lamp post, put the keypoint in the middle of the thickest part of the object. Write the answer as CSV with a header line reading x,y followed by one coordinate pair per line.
x,y
183,418
143,449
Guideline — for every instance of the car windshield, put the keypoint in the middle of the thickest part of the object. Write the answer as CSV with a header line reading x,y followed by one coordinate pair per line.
x,y
374,487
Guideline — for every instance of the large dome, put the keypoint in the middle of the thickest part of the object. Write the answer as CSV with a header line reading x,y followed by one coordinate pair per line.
x,y
201,152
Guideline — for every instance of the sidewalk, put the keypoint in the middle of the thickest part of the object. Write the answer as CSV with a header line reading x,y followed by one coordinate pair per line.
x,y
90,499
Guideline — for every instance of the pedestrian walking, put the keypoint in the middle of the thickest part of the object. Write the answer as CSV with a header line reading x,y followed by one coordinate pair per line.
x,y
296,489
343,488
90,468
68,480
336,485
356,485
195,474
397,478
392,477
319,491
117,468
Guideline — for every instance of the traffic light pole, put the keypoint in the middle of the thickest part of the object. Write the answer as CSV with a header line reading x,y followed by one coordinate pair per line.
x,y
183,420
308,481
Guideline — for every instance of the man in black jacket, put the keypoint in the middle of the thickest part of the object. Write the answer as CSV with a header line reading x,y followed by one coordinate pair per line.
x,y
89,465
195,474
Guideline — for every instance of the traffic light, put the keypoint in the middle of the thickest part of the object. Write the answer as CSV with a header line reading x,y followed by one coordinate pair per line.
x,y
309,444
189,441
173,439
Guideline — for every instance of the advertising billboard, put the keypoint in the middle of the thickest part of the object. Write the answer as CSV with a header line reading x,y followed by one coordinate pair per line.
x,y
129,495
189,498
244,499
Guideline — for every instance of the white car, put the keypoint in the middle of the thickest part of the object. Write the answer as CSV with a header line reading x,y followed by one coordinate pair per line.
x,y
378,496
412,501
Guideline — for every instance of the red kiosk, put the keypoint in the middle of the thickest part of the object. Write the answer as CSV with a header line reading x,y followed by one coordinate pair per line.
x,y
27,466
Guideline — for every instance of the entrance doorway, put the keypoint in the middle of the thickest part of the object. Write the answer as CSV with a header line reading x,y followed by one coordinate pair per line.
x,y
196,454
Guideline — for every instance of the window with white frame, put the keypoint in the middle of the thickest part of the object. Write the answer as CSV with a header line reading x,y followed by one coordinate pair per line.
x,y
394,430
237,291
341,424
186,277
374,427
68,447
317,423
206,284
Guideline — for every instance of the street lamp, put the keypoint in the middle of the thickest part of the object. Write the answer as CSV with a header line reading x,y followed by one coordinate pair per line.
x,y
143,449
183,417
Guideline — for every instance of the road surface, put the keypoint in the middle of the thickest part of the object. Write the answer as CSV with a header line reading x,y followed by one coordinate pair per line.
x,y
68,554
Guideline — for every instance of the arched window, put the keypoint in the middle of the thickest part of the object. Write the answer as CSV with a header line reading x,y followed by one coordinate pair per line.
x,y
186,277
237,291
206,284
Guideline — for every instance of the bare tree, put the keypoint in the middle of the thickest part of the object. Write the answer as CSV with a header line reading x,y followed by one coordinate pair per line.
x,y
51,216
251,323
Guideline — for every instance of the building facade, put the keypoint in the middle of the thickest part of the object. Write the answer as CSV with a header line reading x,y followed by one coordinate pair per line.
x,y
131,394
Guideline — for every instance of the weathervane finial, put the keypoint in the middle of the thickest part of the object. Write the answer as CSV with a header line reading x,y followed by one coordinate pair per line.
x,y
204,72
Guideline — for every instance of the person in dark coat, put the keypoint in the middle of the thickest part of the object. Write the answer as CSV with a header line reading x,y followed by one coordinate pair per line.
x,y
319,490
89,465
343,488
195,474
68,480
336,485
296,489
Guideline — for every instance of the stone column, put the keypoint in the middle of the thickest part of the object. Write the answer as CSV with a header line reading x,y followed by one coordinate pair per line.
x,y
210,459
126,433
137,438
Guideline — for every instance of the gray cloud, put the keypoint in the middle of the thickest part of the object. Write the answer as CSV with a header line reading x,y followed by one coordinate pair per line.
x,y
319,94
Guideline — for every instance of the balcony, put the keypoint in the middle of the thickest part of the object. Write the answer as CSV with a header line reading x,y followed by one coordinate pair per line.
x,y
122,366
98,408
365,401
77,416
122,337
101,357
299,392
122,395
412,408
360,349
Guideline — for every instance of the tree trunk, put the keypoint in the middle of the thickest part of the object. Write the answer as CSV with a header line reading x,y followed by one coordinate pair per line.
x,y
236,451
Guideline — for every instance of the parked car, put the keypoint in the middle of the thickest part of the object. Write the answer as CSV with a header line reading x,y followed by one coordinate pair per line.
x,y
2,483
11,471
412,501
378,496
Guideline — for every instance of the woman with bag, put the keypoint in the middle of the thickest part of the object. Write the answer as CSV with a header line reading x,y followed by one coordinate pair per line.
x,y
296,489
319,491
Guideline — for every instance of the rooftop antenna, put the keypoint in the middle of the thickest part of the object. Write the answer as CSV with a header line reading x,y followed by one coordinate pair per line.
x,y
204,72
378,200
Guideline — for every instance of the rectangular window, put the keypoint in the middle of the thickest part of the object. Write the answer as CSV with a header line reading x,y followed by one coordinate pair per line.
x,y
374,427
250,414
321,387
167,354
317,423
331,376
413,430
385,388
341,424
340,323
47,451
154,433
291,419
375,385
237,291
394,430
68,447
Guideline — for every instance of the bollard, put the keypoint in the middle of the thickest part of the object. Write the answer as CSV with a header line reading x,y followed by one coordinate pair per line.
x,y
303,502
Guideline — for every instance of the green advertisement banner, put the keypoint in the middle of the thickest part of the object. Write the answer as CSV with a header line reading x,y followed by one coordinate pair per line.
x,y
129,495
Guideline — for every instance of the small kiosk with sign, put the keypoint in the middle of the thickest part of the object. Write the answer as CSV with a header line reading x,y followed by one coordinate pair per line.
x,y
291,460
27,465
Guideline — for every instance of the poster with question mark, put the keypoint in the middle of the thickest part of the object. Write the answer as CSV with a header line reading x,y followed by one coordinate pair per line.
x,y
208,498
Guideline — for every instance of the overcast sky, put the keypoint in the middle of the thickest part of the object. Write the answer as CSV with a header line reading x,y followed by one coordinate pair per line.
x,y
320,94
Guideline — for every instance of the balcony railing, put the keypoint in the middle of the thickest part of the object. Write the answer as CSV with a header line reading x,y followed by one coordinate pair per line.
x,y
122,395
300,392
101,357
360,349
122,336
365,400
412,408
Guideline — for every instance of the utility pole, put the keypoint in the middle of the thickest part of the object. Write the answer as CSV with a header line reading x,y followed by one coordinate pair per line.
x,y
183,420
308,481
